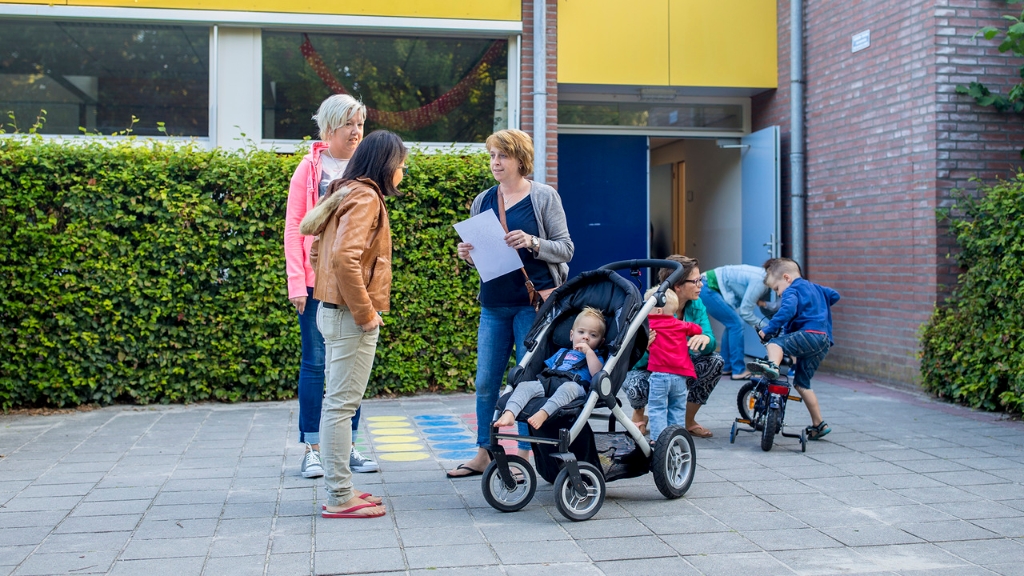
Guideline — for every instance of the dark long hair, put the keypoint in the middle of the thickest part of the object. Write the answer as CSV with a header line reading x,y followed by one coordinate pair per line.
x,y
377,158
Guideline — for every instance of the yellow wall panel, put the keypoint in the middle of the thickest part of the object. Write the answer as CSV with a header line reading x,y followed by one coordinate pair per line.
x,y
613,42
730,43
47,2
468,9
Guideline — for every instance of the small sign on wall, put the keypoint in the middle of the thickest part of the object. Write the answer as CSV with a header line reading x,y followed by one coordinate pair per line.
x,y
860,41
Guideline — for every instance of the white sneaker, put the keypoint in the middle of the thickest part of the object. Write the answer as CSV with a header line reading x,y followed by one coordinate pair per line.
x,y
312,467
359,463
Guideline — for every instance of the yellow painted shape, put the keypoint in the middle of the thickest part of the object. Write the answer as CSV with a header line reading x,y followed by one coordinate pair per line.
x,y
730,43
613,42
395,439
386,419
403,456
399,448
391,431
507,10
48,2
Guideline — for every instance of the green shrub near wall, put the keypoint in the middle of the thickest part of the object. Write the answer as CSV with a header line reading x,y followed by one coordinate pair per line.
x,y
144,272
973,346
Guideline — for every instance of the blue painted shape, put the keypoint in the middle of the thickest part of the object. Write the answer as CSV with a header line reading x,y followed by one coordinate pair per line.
x,y
461,455
451,438
444,430
435,417
431,423
454,446
602,181
760,168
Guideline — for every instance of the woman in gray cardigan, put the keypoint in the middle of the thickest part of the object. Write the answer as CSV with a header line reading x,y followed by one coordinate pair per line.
x,y
537,230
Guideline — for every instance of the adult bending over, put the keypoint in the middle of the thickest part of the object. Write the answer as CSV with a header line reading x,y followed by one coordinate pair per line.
x,y
340,119
731,295
537,229
352,260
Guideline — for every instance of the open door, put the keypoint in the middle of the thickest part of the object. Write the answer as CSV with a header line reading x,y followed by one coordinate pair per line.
x,y
760,168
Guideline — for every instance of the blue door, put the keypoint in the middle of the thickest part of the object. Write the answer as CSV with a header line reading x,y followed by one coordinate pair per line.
x,y
603,184
761,182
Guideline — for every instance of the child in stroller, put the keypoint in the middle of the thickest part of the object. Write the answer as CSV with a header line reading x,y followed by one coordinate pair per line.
x,y
566,450
567,375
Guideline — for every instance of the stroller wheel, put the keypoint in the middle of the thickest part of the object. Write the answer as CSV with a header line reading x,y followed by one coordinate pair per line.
x,y
574,506
498,494
674,461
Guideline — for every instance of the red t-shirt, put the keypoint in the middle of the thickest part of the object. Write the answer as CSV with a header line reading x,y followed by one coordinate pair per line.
x,y
669,352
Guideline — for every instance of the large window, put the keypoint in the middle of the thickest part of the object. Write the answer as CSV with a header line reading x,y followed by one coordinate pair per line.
x,y
97,76
425,89
670,116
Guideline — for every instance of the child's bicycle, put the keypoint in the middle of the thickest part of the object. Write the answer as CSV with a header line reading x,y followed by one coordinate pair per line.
x,y
762,405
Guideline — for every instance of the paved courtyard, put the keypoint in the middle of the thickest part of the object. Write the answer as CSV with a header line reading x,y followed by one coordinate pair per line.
x,y
902,485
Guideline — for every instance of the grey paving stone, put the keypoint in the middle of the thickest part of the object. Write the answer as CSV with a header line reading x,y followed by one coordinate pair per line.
x,y
26,519
23,504
995,551
946,531
966,478
240,545
344,562
870,535
372,536
559,569
791,539
122,493
236,565
555,551
110,508
94,524
631,547
760,563
29,535
193,497
13,555
450,556
976,510
826,561
750,520
660,566
911,557
85,562
497,533
697,543
290,564
159,567
139,549
189,528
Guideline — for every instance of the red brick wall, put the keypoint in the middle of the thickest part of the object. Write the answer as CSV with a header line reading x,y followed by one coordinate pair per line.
x,y
887,138
551,84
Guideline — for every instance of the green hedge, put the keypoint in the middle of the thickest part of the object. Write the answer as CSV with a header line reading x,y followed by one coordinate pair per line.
x,y
973,346
143,272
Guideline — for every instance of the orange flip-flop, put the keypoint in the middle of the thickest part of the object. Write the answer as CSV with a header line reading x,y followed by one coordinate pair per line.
x,y
351,512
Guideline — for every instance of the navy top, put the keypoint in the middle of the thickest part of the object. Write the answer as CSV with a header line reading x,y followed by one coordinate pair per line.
x,y
805,306
510,289
569,361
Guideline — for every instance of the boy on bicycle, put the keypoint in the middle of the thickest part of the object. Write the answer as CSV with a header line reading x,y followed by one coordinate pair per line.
x,y
804,318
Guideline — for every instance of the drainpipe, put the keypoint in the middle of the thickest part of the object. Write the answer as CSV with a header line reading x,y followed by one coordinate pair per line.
x,y
798,194
540,86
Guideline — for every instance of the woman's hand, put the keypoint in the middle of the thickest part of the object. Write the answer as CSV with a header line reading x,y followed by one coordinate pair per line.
x,y
369,326
464,248
651,337
519,239
698,342
300,303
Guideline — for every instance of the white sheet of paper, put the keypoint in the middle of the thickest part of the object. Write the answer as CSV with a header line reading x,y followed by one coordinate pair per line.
x,y
491,256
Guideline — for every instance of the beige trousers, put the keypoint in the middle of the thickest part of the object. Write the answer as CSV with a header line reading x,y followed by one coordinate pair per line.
x,y
348,358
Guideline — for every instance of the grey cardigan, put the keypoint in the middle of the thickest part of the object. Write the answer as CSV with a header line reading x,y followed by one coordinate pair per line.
x,y
555,245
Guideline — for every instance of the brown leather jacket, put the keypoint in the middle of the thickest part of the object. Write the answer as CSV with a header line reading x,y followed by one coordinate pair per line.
x,y
352,253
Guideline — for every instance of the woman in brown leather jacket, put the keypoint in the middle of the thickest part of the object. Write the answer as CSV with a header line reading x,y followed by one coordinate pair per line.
x,y
352,261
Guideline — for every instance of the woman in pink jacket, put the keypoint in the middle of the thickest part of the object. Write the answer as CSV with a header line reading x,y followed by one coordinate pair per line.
x,y
340,119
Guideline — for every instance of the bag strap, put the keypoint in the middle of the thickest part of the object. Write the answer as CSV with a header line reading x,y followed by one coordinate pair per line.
x,y
501,216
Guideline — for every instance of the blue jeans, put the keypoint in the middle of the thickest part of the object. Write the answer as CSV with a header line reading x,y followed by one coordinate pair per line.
x,y
809,348
666,402
500,329
311,375
732,338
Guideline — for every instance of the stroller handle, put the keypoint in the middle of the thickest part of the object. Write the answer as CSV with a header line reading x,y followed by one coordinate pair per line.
x,y
669,282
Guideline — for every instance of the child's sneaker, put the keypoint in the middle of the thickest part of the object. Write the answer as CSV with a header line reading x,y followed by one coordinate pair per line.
x,y
765,367
312,467
816,432
359,463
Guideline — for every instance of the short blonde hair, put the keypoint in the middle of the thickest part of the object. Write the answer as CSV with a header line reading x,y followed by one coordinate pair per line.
x,y
515,144
335,111
671,300
590,312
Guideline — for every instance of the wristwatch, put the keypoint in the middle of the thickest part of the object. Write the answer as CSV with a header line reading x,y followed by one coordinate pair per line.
x,y
535,244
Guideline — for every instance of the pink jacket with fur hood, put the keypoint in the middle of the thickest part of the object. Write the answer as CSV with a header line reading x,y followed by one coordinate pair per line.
x,y
303,194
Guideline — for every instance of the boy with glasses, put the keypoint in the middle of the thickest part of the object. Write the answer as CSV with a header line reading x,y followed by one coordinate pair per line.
x,y
805,320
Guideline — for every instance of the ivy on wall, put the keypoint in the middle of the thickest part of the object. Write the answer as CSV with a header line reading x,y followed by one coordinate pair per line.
x,y
973,345
145,272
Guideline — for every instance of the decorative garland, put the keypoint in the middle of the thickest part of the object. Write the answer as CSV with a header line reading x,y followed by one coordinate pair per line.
x,y
406,120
